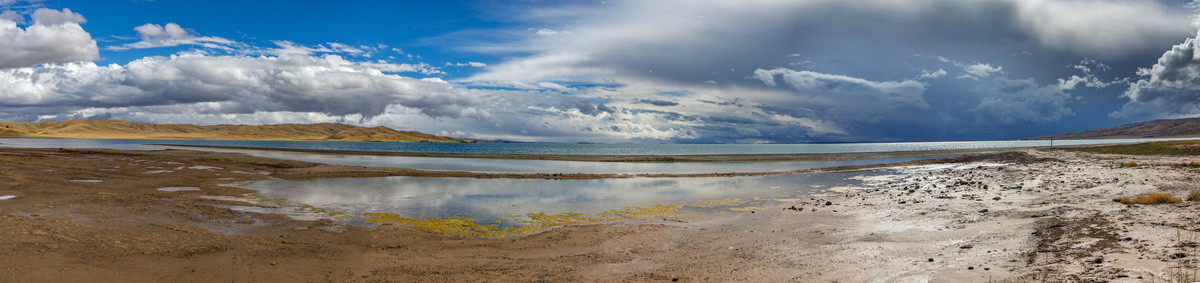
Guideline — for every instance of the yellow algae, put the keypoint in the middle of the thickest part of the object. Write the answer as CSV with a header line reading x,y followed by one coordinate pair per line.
x,y
461,226
724,202
457,226
543,220
262,199
659,210
748,208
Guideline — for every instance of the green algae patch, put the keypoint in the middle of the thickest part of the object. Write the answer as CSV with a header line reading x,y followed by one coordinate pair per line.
x,y
644,212
467,227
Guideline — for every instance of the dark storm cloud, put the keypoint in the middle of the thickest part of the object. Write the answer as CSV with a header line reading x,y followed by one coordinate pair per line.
x,y
655,102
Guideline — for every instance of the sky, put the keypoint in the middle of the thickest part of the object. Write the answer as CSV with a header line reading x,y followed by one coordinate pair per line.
x,y
614,71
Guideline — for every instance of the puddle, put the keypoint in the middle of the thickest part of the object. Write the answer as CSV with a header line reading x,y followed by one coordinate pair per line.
x,y
178,189
87,181
257,172
202,167
496,207
7,197
157,171
237,199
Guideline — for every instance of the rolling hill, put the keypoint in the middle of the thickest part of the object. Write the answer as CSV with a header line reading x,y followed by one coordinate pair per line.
x,y
1164,128
118,129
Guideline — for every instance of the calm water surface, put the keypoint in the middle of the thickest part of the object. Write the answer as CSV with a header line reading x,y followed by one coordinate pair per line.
x,y
545,166
509,200
569,149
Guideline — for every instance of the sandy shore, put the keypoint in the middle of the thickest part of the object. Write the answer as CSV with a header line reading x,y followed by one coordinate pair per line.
x,y
1025,216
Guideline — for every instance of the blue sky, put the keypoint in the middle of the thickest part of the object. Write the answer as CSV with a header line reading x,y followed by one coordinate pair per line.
x,y
610,71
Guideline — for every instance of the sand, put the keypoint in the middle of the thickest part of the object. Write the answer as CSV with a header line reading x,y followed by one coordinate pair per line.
x,y
1024,216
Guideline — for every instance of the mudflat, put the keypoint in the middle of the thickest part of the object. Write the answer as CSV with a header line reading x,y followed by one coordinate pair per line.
x,y
98,215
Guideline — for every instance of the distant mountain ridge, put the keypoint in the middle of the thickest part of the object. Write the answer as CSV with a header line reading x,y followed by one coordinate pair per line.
x,y
119,129
1163,128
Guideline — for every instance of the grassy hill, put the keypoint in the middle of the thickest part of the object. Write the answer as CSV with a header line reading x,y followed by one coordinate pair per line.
x,y
1165,128
118,129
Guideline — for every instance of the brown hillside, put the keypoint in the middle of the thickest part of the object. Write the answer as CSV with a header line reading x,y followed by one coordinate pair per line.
x,y
1165,128
117,129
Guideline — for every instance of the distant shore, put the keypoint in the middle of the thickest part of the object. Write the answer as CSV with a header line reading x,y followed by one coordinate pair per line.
x,y
301,170
711,158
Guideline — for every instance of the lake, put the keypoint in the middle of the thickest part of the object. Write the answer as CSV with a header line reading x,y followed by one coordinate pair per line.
x,y
548,166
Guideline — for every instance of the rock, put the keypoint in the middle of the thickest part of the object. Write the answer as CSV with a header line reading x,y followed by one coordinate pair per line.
x,y
967,246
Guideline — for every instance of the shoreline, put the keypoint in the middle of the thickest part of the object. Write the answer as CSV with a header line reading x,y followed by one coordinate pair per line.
x,y
303,170
706,158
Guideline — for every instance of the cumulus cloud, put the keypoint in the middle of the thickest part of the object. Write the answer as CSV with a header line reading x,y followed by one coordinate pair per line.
x,y
1169,88
932,75
467,64
12,16
1090,70
231,84
54,37
172,34
52,17
980,70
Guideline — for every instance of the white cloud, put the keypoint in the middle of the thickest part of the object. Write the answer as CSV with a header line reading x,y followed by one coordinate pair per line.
x,y
50,17
12,16
1090,68
547,32
467,64
1170,88
855,91
171,34
932,75
980,70
231,84
54,37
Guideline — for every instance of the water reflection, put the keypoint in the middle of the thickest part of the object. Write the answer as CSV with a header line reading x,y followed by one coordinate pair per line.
x,y
510,200
552,166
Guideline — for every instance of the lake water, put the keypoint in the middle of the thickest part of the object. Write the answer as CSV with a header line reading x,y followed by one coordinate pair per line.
x,y
490,207
510,201
545,166
567,149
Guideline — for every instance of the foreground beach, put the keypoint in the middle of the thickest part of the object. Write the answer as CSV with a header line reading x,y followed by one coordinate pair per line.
x,y
98,215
